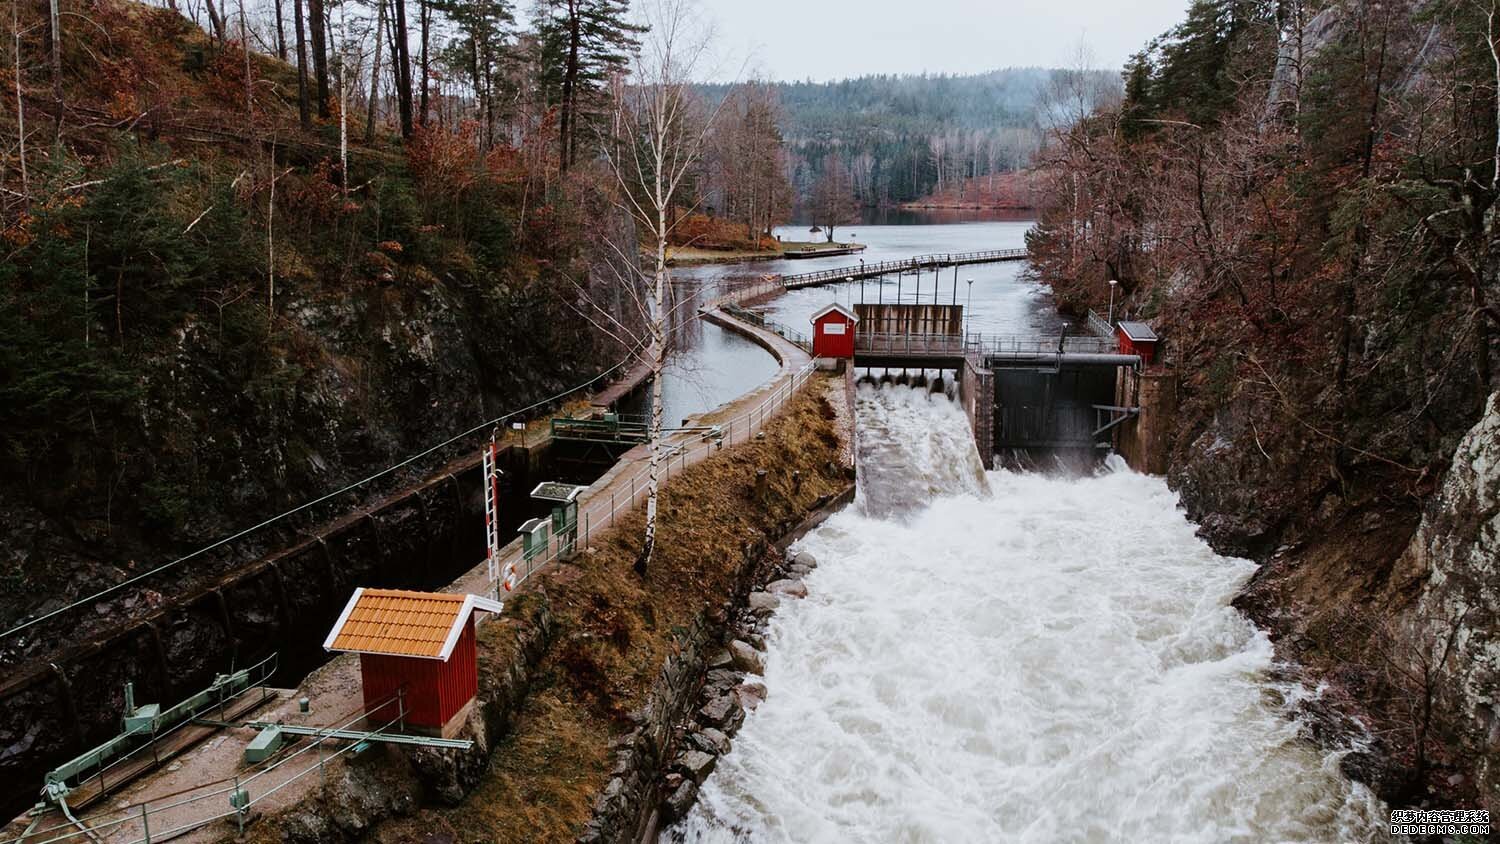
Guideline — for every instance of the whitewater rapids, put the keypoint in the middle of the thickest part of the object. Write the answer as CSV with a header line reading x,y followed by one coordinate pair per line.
x,y
1016,657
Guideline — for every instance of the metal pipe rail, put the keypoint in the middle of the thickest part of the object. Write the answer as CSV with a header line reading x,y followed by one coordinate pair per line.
x,y
134,823
704,438
949,345
919,262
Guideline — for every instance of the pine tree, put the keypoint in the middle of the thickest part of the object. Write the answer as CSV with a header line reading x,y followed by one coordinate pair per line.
x,y
584,42
485,28
317,20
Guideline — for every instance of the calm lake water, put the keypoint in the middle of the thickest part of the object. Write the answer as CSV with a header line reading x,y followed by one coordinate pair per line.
x,y
710,366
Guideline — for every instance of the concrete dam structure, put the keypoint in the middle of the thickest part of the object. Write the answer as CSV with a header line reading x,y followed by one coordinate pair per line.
x,y
1084,392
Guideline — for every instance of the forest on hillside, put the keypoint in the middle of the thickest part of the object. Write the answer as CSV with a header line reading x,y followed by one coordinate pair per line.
x,y
253,252
1300,196
899,138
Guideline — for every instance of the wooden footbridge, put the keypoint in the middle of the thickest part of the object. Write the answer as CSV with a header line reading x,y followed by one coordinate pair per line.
x,y
918,263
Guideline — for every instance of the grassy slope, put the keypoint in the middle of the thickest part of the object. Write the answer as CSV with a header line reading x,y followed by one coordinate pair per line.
x,y
616,630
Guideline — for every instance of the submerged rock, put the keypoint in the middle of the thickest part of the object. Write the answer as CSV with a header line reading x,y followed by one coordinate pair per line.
x,y
751,694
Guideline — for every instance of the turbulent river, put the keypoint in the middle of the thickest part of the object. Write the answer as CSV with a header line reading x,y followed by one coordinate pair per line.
x,y
1011,656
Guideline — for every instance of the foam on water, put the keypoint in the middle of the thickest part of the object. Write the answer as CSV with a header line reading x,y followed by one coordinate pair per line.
x,y
1026,657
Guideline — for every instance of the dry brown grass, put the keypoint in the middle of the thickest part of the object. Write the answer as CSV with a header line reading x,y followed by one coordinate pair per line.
x,y
614,629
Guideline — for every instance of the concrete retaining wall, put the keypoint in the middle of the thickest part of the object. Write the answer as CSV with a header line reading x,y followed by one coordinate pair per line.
x,y
1146,441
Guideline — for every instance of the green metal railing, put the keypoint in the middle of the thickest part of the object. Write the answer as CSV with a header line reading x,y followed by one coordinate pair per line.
x,y
144,733
165,817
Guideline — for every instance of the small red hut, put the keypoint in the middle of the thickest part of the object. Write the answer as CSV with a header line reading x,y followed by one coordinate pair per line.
x,y
420,644
833,332
1137,338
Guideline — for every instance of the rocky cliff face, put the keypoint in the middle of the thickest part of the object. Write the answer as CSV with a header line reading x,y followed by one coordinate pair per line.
x,y
360,377
1453,628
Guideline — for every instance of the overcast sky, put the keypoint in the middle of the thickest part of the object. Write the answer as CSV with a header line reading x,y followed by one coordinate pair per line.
x,y
801,39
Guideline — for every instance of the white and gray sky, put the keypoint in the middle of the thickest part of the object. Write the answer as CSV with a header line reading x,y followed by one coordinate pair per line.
x,y
799,39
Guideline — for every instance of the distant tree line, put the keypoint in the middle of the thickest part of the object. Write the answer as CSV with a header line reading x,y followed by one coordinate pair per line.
x,y
901,138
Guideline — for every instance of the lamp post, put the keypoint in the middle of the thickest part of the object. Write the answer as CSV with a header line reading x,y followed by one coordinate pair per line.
x,y
861,281
1112,284
968,305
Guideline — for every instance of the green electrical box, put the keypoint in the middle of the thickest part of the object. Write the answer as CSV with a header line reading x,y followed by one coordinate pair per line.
x,y
534,538
564,501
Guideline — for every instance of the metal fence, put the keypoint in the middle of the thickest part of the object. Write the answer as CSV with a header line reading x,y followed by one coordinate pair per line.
x,y
1022,345
919,262
785,332
910,343
951,345
598,509
1099,325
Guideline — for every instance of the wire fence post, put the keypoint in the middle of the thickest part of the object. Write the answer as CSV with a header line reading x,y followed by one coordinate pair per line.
x,y
145,824
239,811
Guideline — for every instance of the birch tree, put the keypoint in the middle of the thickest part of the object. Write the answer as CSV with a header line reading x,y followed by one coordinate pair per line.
x,y
659,137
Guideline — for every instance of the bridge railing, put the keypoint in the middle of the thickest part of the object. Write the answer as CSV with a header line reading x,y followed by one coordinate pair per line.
x,y
918,262
1023,345
786,332
909,344
946,345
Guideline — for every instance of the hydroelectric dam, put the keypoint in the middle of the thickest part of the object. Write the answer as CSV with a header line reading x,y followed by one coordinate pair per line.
x,y
1089,392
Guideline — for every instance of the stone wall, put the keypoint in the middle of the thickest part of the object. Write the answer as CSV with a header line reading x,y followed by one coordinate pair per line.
x,y
627,806
1146,441
977,393
699,699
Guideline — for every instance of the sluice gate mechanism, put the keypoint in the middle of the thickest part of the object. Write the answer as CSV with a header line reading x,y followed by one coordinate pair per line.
x,y
1074,392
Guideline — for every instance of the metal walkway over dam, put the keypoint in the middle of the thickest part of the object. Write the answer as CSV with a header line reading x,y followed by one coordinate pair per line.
x,y
905,265
1020,393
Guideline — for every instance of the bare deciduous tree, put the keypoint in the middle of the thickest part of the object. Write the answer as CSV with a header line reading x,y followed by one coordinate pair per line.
x,y
659,130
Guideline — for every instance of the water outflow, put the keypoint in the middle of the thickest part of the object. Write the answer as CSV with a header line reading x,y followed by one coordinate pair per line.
x,y
1047,658
914,446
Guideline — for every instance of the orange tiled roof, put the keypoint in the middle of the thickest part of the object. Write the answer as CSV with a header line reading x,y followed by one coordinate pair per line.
x,y
401,623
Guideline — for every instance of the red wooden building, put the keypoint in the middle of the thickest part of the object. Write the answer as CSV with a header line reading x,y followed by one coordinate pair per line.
x,y
833,332
1137,338
420,644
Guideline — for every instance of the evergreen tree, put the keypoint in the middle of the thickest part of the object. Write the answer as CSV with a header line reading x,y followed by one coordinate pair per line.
x,y
584,43
485,28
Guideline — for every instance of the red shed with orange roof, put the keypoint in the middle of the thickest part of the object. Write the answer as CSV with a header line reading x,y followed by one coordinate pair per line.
x,y
420,644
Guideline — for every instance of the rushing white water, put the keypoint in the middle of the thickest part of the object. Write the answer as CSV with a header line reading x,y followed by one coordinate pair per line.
x,y
1035,658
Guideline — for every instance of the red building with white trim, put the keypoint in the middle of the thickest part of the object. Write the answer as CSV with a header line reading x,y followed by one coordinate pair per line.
x,y
833,332
418,644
